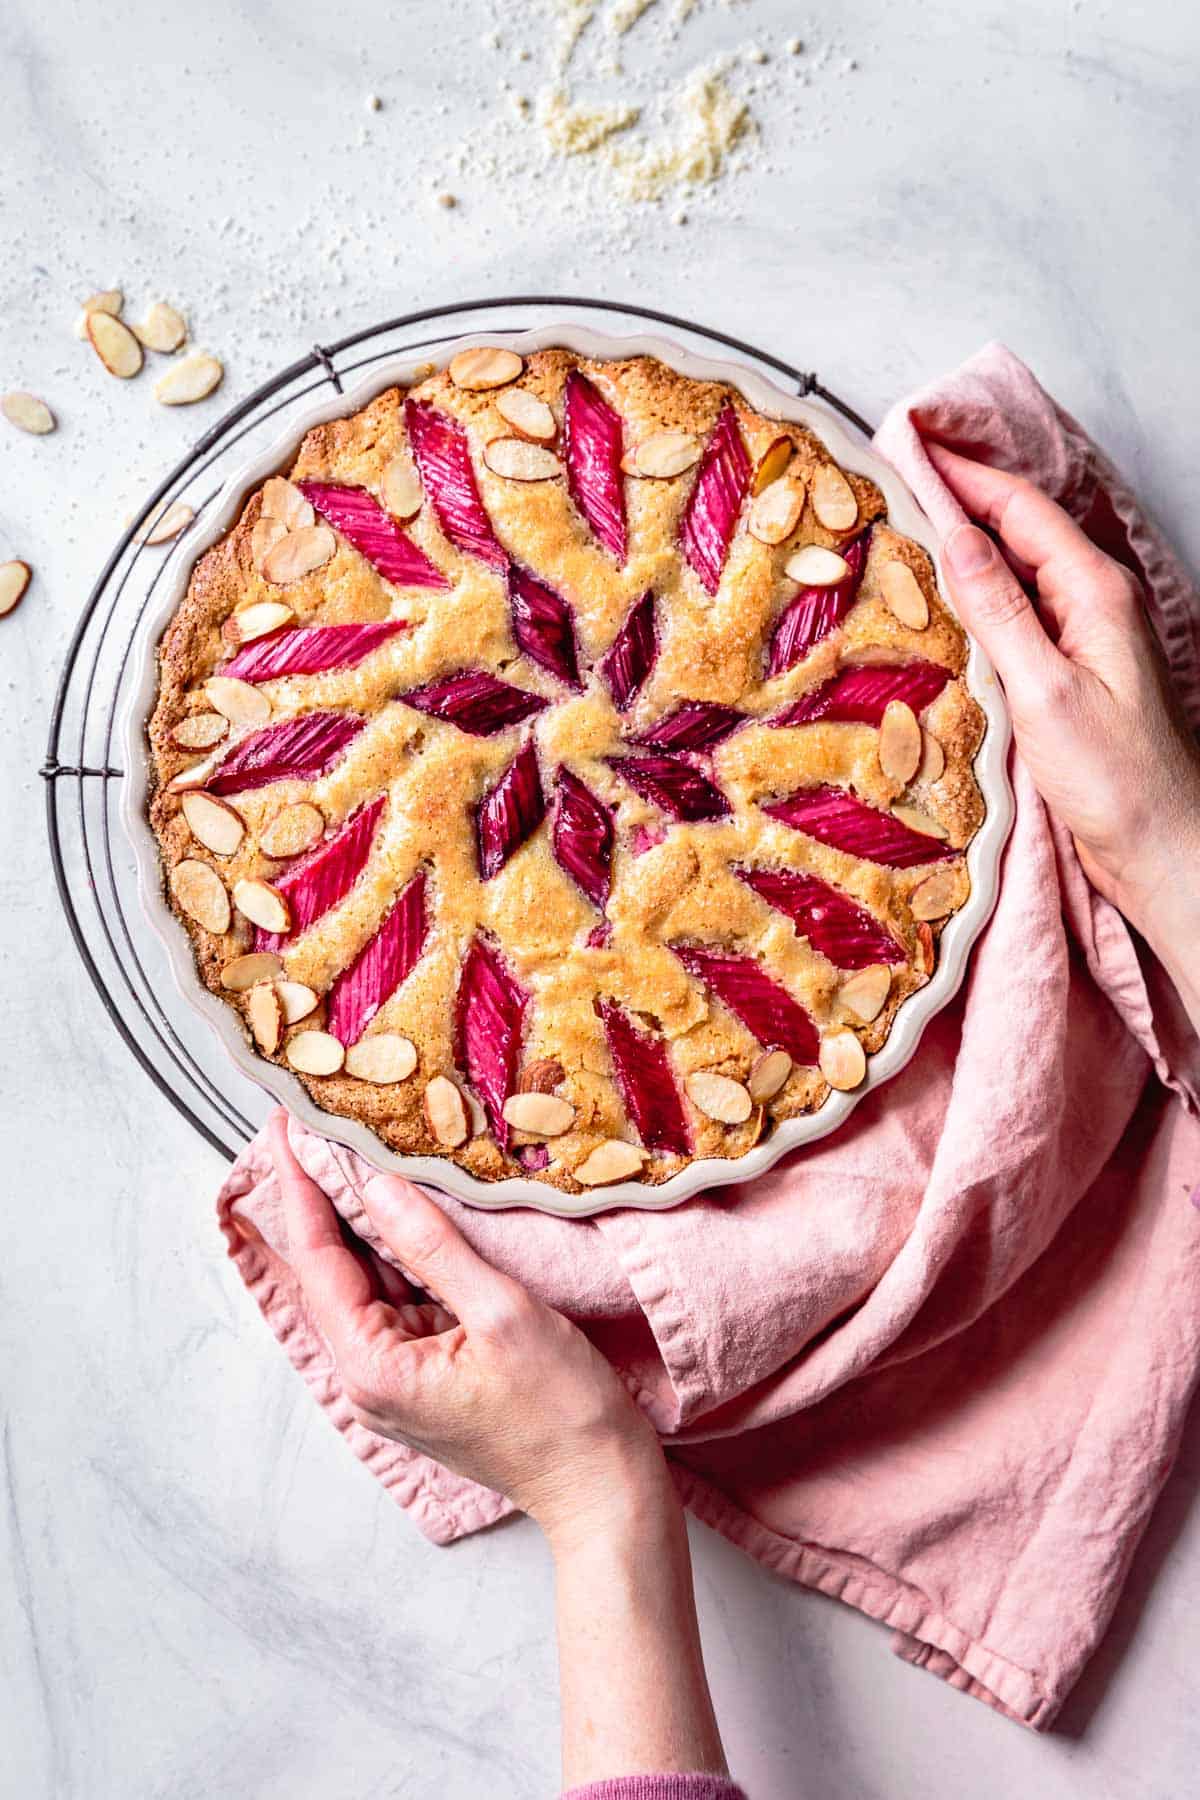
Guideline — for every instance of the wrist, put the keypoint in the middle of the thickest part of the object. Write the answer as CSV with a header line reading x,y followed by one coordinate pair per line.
x,y
623,1495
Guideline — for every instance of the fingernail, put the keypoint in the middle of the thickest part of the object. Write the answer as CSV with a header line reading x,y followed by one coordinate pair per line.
x,y
968,551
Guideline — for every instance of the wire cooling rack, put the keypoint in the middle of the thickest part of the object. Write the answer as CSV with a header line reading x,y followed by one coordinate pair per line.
x,y
93,866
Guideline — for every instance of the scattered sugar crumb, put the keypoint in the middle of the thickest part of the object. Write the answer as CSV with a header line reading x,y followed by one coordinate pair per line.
x,y
574,18
448,200
373,103
754,53
794,46
712,119
625,14
577,130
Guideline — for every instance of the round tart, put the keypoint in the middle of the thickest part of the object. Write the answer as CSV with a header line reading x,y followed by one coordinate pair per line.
x,y
565,769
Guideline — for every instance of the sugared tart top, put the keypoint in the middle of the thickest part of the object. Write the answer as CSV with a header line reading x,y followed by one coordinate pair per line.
x,y
565,769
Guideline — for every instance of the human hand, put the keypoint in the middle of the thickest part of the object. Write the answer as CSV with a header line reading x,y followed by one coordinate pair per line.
x,y
486,1379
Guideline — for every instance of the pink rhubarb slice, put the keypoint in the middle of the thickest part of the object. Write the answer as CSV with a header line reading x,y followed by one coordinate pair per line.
x,y
381,965
643,1073
310,650
583,838
766,1010
630,657
489,1015
673,785
861,692
509,812
592,445
813,612
475,701
443,458
716,499
696,725
319,880
374,534
543,625
849,935
293,750
842,821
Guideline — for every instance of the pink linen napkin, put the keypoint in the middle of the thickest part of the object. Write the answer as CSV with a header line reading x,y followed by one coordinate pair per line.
x,y
937,1364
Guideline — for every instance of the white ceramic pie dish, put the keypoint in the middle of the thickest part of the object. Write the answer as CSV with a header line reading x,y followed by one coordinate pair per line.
x,y
983,854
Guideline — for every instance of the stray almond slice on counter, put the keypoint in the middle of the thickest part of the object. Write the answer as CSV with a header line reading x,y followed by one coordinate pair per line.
x,y
719,1097
776,512
109,300
266,1017
163,328
542,1076
199,731
936,896
293,830
661,458
296,999
446,1113
264,535
298,554
541,1115
932,765
14,579
903,597
200,892
816,567
114,344
256,621
916,820
518,460
925,941
842,1061
401,489
238,701
185,382
866,991
613,1160
768,1075
315,1053
526,414
160,528
899,742
213,822
833,499
385,1057
263,905
28,413
486,366
771,465
282,500
247,971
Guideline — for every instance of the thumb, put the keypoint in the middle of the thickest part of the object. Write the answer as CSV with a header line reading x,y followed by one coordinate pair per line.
x,y
995,608
433,1251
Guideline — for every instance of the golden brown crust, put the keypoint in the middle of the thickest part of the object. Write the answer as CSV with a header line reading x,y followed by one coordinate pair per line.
x,y
711,648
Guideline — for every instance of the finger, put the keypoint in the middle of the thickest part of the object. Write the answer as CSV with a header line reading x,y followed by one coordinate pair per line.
x,y
336,1286
434,1252
995,607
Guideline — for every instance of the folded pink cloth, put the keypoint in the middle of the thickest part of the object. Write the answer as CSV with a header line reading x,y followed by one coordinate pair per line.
x,y
937,1364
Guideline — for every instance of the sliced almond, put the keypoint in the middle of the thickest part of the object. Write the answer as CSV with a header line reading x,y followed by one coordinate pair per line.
x,y
199,891
14,579
816,567
541,1115
916,820
266,1017
833,499
776,512
927,957
401,489
866,991
446,1113
486,366
256,621
842,1061
199,731
264,535
772,464
109,300
195,775
114,344
282,500
613,1160
28,413
382,1058
719,1097
903,596
527,414
162,527
296,999
263,905
542,1076
663,456
245,972
518,460
298,554
238,701
768,1075
293,830
185,382
932,765
899,742
315,1053
163,329
213,823
937,895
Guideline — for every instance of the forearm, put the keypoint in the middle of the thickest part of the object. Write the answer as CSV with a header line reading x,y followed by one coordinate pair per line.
x,y
635,1696
1166,911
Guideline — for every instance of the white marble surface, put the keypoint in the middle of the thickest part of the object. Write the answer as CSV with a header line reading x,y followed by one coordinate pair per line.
x,y
205,1596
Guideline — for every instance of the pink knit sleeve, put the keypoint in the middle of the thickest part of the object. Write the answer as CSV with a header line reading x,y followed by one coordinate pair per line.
x,y
660,1787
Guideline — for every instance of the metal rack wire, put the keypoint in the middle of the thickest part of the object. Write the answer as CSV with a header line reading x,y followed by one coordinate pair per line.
x,y
92,865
